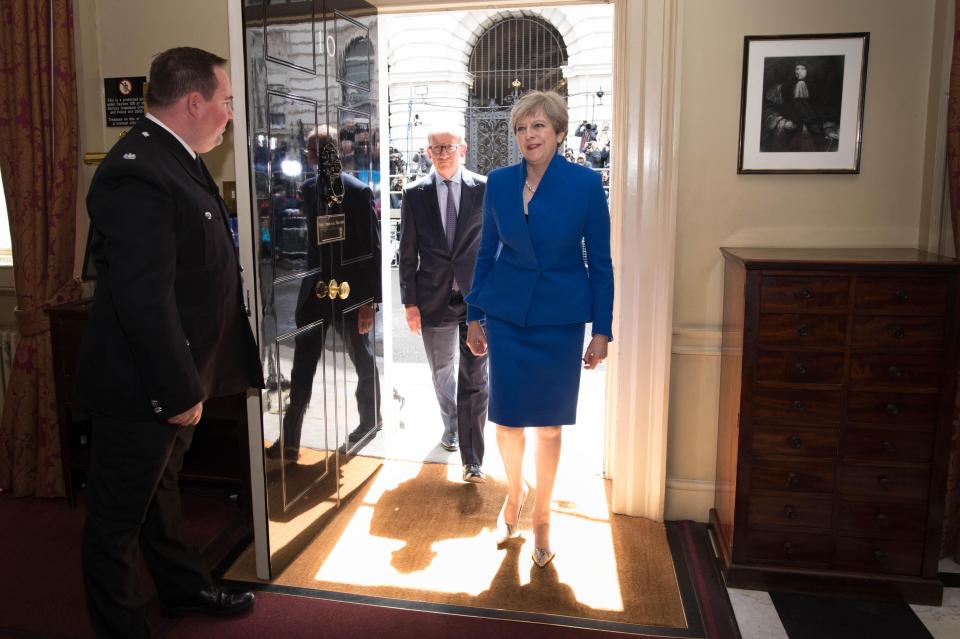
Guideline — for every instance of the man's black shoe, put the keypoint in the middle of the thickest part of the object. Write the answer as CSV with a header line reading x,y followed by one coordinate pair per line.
x,y
361,432
215,601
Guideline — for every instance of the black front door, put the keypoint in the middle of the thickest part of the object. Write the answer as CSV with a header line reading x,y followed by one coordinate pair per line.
x,y
314,147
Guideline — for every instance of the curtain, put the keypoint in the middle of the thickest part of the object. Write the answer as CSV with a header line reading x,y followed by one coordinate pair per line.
x,y
38,158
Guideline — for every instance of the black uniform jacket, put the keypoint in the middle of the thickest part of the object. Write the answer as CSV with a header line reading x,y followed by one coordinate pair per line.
x,y
355,259
168,327
427,265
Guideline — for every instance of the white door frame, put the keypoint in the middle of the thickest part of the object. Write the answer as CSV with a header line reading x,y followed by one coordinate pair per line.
x,y
644,212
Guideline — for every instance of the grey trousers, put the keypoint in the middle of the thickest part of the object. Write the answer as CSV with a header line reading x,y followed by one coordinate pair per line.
x,y
461,389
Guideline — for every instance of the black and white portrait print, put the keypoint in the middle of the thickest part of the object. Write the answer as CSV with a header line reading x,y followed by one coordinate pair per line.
x,y
802,100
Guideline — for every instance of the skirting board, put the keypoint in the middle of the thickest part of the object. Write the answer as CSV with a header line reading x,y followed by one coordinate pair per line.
x,y
689,499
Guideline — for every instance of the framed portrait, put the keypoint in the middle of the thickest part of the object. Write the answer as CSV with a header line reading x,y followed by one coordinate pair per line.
x,y
801,103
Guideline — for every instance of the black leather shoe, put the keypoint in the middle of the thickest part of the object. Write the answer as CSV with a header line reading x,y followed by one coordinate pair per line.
x,y
215,601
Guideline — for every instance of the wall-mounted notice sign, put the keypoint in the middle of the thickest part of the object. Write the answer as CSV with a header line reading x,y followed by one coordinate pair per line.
x,y
123,99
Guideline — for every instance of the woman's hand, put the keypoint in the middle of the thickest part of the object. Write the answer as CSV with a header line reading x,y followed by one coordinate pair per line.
x,y
477,339
596,351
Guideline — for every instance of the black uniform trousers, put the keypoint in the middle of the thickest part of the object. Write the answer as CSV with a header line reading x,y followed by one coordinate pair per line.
x,y
133,508
308,347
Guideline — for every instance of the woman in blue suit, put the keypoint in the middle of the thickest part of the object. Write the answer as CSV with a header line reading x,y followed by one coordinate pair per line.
x,y
532,294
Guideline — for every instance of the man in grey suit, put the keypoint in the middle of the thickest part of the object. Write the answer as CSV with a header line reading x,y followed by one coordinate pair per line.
x,y
441,217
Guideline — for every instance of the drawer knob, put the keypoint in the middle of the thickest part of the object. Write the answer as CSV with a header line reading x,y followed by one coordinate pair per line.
x,y
796,442
878,554
804,294
798,405
793,479
801,368
888,446
803,331
891,409
898,332
883,520
788,547
901,295
895,372
789,511
884,482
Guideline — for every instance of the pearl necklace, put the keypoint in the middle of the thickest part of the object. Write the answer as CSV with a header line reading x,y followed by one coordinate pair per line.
x,y
529,188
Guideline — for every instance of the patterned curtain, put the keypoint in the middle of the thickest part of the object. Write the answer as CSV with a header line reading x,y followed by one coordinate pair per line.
x,y
38,158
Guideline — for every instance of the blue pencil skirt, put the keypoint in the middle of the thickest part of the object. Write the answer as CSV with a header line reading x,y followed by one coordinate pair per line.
x,y
534,373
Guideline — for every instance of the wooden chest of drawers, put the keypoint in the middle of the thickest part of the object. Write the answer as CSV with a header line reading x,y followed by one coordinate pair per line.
x,y
837,390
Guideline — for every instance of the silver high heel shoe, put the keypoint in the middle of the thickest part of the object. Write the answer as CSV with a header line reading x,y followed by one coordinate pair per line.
x,y
509,531
543,556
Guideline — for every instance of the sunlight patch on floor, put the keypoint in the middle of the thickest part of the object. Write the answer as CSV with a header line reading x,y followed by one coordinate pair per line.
x,y
468,561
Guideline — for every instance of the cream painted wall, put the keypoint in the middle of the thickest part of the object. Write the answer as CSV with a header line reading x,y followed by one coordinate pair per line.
x,y
120,37
882,206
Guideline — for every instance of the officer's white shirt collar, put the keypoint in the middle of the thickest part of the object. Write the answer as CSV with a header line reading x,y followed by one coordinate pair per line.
x,y
154,118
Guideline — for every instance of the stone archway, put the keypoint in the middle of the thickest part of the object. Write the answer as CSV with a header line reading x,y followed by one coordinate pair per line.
x,y
512,55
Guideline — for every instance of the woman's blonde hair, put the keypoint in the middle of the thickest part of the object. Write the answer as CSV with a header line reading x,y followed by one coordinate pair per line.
x,y
553,106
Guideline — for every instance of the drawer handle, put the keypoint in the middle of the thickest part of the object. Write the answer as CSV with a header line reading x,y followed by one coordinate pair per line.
x,y
901,295
798,405
884,482
801,368
796,442
888,446
803,331
793,479
804,294
898,332
893,371
883,520
878,554
788,547
789,511
891,409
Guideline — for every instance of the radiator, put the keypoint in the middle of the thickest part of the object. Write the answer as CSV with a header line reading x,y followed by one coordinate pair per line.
x,y
8,346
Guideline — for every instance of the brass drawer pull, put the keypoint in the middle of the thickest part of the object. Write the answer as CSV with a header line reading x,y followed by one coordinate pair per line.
x,y
878,554
796,442
790,512
883,520
793,479
803,331
891,409
895,372
898,332
801,368
788,547
803,294
901,295
884,482
887,446
798,405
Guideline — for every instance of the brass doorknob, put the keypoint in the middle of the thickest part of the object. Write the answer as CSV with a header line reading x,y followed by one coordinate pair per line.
x,y
335,290
320,290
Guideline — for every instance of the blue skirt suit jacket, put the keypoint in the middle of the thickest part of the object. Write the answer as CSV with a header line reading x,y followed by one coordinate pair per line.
x,y
530,280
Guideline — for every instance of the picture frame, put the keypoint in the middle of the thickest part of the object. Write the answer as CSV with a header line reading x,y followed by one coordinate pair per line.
x,y
801,103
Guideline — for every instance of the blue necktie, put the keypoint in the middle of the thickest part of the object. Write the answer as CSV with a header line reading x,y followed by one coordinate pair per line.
x,y
451,215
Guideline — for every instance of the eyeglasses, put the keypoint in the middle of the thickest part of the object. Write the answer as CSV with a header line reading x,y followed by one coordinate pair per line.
x,y
442,149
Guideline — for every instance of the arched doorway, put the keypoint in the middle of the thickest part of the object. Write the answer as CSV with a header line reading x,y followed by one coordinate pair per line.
x,y
513,55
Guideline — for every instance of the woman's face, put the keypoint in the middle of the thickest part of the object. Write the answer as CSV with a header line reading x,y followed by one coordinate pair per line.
x,y
537,139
